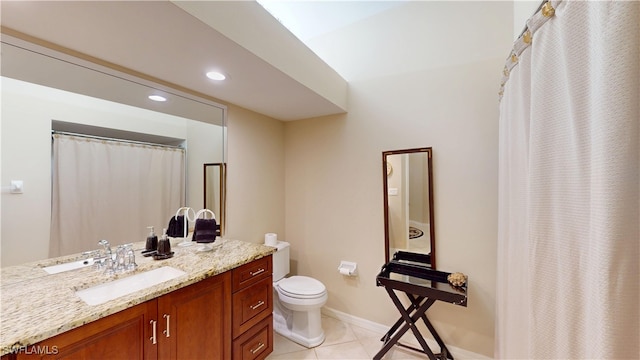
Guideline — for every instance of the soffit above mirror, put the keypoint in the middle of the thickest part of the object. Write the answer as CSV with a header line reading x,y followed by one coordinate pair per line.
x,y
163,41
40,65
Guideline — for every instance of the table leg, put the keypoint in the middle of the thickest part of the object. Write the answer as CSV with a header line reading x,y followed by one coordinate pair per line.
x,y
415,302
410,322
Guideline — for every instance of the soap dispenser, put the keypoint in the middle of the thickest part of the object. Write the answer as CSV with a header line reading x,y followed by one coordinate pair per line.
x,y
164,247
152,240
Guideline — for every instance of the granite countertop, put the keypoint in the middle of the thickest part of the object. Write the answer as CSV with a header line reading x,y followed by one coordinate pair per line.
x,y
36,305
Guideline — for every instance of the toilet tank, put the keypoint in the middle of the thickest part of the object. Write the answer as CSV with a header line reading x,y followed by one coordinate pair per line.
x,y
281,260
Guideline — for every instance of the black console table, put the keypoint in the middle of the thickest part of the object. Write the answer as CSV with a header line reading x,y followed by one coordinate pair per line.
x,y
411,273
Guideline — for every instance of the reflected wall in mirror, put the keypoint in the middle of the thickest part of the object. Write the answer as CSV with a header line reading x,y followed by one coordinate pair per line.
x,y
43,86
215,190
408,202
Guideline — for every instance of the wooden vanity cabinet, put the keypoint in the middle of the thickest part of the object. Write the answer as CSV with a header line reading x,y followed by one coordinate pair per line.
x,y
252,318
227,316
123,335
194,322
190,323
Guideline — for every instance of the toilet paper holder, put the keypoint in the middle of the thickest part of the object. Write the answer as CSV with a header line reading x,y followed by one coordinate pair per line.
x,y
348,268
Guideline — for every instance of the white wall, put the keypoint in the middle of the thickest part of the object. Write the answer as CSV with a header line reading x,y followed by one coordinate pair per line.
x,y
333,164
27,111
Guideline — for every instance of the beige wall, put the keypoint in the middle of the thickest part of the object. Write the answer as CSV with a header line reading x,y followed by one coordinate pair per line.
x,y
522,11
334,191
255,176
333,164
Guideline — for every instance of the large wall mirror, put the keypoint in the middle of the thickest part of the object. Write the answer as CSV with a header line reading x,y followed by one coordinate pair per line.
x,y
44,89
408,202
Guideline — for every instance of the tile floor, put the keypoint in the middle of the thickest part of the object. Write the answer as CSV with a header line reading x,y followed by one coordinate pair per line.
x,y
343,341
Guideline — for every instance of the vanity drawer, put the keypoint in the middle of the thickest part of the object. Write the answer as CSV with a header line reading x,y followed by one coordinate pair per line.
x,y
251,273
256,343
251,305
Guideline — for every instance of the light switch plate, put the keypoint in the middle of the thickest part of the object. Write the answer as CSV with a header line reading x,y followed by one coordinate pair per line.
x,y
16,186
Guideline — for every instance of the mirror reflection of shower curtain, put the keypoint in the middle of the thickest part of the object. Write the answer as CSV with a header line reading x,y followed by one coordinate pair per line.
x,y
111,190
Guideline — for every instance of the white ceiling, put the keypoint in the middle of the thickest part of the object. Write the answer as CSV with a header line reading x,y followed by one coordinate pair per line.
x,y
272,74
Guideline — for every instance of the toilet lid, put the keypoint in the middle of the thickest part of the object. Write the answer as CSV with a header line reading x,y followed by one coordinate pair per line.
x,y
296,286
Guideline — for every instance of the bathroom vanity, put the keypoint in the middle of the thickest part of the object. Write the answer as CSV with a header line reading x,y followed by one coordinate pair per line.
x,y
220,307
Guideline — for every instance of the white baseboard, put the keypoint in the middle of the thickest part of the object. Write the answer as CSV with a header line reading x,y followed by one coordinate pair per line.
x,y
354,320
460,354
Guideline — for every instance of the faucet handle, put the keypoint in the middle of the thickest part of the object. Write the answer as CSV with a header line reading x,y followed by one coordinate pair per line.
x,y
120,259
109,266
131,259
106,245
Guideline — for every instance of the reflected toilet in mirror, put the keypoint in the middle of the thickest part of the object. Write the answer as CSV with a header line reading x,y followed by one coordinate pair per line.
x,y
408,202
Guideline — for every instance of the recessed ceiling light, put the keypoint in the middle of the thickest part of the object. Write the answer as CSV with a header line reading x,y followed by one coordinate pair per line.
x,y
157,98
216,75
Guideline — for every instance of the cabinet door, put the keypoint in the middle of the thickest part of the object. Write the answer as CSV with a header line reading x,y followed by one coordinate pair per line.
x,y
123,335
195,322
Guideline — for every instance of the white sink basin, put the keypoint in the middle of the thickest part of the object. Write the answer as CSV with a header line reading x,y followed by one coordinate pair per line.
x,y
54,269
102,293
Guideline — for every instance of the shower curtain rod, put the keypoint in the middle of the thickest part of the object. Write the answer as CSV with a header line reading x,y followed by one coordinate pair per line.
x,y
116,139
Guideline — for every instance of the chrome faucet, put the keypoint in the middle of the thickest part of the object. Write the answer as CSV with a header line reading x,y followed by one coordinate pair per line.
x,y
125,259
106,258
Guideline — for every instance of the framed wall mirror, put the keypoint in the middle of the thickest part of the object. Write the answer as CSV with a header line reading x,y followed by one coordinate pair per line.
x,y
45,86
408,202
214,191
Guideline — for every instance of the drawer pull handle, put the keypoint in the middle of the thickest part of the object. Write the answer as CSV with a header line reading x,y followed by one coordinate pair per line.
x,y
260,271
260,346
166,332
153,337
260,303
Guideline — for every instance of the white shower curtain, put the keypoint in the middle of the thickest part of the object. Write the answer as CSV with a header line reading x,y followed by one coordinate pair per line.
x,y
568,248
111,190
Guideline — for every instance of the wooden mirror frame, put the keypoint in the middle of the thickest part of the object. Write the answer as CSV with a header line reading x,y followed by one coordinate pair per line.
x,y
222,181
385,173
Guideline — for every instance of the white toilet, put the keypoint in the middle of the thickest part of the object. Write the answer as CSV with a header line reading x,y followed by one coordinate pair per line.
x,y
296,302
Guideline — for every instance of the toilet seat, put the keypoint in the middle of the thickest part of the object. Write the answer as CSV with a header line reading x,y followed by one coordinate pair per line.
x,y
301,287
